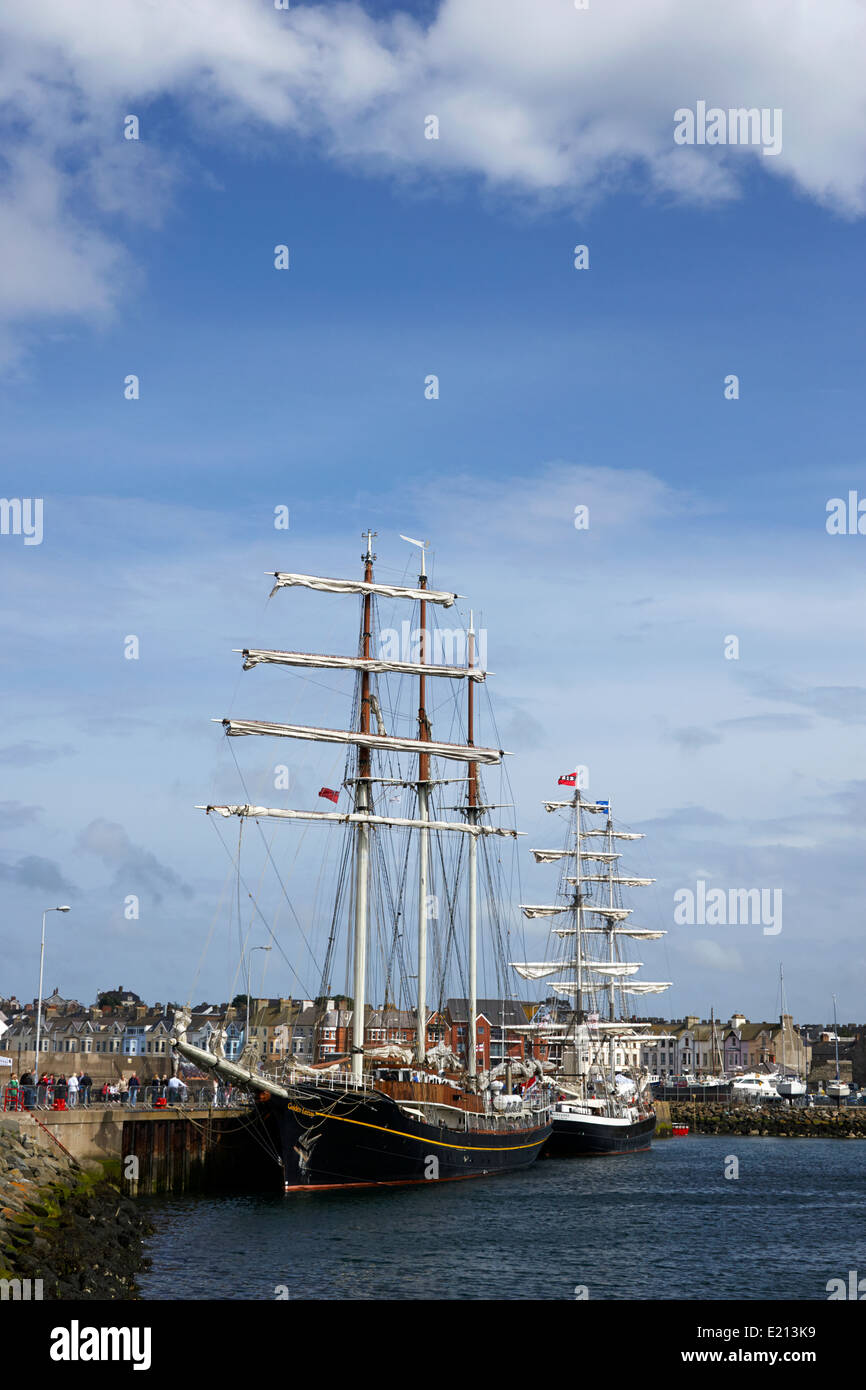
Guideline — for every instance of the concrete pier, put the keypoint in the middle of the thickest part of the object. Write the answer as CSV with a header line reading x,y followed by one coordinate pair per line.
x,y
172,1150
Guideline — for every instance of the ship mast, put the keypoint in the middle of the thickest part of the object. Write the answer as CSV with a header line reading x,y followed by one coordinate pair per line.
x,y
361,817
611,957
782,1017
423,787
578,938
472,818
610,936
362,832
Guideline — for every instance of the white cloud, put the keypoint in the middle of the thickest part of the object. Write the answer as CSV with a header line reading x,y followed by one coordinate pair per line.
x,y
532,98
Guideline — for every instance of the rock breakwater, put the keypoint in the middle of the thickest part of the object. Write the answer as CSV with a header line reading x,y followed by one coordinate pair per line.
x,y
65,1223
779,1120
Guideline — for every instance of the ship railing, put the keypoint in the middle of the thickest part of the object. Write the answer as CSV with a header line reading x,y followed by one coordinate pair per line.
x,y
332,1081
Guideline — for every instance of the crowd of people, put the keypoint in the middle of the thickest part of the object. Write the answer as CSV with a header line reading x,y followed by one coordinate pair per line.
x,y
78,1089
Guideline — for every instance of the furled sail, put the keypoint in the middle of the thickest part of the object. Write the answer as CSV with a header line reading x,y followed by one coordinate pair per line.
x,y
617,834
645,987
618,914
550,856
359,586
605,878
622,968
535,970
356,818
543,911
640,933
255,656
236,727
606,856
584,806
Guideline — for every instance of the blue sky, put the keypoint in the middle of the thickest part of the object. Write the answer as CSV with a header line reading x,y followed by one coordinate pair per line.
x,y
557,387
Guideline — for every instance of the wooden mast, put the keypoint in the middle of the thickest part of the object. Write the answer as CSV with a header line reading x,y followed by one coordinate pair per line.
x,y
472,815
362,834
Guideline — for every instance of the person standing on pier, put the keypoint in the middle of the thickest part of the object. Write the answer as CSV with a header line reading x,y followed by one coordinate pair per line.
x,y
72,1088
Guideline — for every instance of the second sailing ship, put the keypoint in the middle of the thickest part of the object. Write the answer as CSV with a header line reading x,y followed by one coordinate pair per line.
x,y
604,1104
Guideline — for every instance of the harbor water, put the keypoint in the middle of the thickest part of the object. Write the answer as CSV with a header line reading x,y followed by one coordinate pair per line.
x,y
667,1224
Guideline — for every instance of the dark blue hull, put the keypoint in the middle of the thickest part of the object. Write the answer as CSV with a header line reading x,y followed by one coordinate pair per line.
x,y
350,1138
576,1138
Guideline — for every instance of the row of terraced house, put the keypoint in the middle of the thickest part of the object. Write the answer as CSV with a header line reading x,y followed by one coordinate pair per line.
x,y
110,1042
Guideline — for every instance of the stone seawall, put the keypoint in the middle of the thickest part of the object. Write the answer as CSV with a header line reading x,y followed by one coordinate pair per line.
x,y
777,1119
65,1223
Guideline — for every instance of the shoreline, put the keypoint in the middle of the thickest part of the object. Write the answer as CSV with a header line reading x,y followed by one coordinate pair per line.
x,y
65,1225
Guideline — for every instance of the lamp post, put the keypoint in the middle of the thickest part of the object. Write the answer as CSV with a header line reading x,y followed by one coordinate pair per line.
x,y
247,1025
41,964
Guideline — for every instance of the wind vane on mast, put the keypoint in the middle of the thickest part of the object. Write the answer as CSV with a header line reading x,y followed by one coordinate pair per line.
x,y
422,546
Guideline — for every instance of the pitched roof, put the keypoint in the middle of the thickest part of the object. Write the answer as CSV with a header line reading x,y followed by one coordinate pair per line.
x,y
509,1012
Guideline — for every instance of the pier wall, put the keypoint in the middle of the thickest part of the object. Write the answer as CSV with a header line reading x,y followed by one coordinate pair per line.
x,y
204,1152
172,1150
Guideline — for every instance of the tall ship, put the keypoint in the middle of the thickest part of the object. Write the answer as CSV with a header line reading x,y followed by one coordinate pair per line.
x,y
413,853
603,1103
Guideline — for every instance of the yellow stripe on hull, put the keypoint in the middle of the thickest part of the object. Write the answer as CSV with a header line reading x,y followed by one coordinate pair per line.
x,y
420,1139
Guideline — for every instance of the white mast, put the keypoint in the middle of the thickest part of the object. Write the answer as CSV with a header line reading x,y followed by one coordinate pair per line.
x,y
362,836
472,815
578,936
782,1019
610,938
423,815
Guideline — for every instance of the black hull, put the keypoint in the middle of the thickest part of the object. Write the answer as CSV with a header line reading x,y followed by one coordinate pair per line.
x,y
349,1139
575,1138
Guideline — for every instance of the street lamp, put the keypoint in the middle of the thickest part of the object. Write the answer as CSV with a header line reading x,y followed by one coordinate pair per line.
x,y
41,964
247,1026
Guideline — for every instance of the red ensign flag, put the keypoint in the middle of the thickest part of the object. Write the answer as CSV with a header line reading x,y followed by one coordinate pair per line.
x,y
330,794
